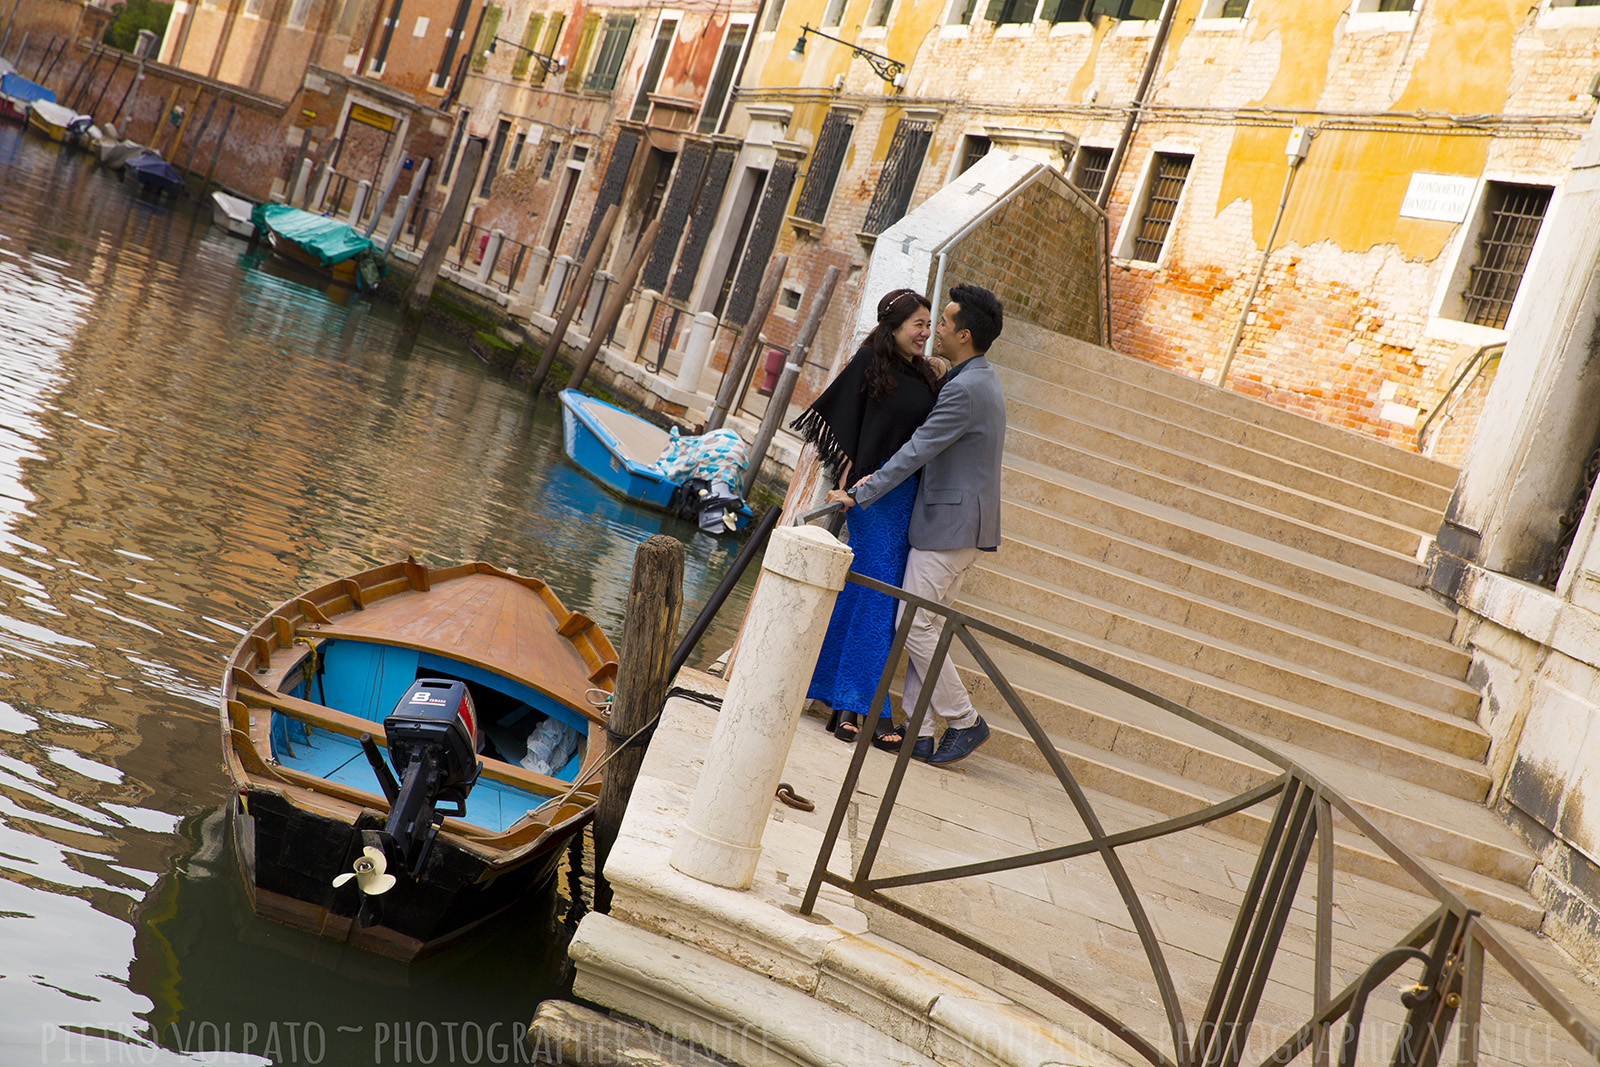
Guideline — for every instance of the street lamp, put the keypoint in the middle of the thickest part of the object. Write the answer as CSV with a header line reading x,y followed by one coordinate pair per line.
x,y
890,70
551,64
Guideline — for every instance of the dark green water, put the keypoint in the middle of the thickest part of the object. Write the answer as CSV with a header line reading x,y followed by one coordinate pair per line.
x,y
188,436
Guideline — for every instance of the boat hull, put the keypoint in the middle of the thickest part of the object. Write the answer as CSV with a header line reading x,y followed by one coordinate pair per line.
x,y
323,669
11,111
344,273
290,856
54,131
601,454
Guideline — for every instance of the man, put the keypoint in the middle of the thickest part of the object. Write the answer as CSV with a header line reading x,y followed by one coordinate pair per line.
x,y
957,510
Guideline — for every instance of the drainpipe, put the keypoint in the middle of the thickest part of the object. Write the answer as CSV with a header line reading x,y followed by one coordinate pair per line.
x,y
1299,142
1169,9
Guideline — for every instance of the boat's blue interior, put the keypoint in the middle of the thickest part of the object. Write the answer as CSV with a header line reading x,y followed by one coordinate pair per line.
x,y
366,680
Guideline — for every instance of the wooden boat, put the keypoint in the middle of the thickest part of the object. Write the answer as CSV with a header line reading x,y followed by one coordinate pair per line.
x,y
61,124
618,449
333,842
328,246
232,214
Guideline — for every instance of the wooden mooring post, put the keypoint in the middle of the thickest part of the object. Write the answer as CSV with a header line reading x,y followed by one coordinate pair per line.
x,y
575,296
611,309
649,632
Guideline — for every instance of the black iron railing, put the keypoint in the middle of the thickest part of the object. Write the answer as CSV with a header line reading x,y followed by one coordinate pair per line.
x,y
1451,943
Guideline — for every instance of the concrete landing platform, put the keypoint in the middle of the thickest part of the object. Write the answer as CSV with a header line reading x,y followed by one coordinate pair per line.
x,y
743,975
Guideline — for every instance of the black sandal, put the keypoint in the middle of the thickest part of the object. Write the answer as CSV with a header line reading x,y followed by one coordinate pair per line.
x,y
847,729
887,736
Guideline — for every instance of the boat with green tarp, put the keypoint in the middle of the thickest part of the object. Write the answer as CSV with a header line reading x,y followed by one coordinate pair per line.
x,y
325,244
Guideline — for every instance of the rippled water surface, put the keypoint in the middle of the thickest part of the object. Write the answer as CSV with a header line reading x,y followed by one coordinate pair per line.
x,y
189,435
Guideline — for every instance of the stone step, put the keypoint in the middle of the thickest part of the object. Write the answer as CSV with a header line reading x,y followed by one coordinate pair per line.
x,y
1236,705
1088,414
1060,583
1301,439
1233,500
1067,621
1040,503
1096,720
1063,552
1053,490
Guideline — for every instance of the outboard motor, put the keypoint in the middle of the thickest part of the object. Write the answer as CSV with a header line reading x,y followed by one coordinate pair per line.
x,y
432,733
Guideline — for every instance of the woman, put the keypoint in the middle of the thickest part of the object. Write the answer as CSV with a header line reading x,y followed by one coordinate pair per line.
x,y
860,420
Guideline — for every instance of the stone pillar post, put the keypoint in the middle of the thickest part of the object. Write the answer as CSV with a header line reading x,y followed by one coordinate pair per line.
x,y
696,351
491,252
552,292
802,573
297,194
358,203
599,287
528,293
639,328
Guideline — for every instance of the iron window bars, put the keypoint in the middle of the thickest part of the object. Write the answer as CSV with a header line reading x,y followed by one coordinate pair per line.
x,y
1161,204
1511,225
898,179
826,159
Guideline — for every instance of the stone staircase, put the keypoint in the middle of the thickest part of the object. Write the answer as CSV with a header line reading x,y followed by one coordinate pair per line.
x,y
1255,566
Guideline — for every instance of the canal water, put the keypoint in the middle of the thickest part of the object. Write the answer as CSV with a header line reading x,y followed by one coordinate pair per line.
x,y
188,436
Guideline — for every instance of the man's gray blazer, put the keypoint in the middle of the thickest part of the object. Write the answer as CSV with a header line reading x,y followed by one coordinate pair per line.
x,y
958,450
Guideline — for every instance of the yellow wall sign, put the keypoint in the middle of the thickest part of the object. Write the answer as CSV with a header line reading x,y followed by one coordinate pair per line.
x,y
371,118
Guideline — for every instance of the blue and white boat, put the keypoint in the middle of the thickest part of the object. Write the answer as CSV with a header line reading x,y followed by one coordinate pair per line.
x,y
620,450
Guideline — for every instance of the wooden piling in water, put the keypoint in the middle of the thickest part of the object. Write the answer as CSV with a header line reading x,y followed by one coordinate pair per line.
x,y
444,232
729,392
574,298
649,632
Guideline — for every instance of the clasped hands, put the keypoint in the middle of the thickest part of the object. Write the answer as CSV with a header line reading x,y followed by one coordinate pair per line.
x,y
842,498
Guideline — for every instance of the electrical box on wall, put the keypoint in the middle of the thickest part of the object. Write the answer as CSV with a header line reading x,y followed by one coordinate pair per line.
x,y
1299,142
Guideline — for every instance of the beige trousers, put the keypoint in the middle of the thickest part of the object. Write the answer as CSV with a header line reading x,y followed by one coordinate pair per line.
x,y
935,575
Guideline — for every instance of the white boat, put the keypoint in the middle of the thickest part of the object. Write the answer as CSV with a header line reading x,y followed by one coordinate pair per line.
x,y
232,214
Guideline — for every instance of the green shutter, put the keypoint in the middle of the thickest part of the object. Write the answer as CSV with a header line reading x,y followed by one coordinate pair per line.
x,y
552,38
486,33
996,11
530,41
580,57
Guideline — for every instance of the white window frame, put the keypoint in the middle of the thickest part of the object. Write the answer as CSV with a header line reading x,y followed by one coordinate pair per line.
x,y
1211,19
1363,16
836,8
1445,309
1561,14
890,7
1127,235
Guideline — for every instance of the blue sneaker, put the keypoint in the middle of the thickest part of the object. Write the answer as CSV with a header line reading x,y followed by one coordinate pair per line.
x,y
923,749
957,745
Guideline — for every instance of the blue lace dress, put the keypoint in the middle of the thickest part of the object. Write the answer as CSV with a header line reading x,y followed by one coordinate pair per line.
x,y
857,644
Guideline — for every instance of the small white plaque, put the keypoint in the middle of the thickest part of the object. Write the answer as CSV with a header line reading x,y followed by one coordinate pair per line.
x,y
1440,197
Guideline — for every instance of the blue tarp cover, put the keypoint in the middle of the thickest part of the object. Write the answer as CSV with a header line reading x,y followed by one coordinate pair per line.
x,y
329,240
19,88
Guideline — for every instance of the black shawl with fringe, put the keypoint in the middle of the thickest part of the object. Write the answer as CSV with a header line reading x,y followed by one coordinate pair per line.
x,y
845,426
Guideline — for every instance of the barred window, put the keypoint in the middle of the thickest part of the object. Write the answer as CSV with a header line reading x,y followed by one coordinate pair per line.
x,y
973,148
516,151
823,172
613,50
1160,206
898,180
502,131
455,147
1092,164
550,156
1511,219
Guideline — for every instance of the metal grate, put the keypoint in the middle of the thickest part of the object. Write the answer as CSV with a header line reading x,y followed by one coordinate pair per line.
x,y
1510,226
1092,169
898,179
1166,186
823,172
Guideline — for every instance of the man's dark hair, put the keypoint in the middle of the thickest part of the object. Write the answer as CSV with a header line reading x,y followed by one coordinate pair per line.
x,y
978,310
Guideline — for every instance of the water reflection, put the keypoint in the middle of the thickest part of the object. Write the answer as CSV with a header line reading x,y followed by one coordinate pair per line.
x,y
187,438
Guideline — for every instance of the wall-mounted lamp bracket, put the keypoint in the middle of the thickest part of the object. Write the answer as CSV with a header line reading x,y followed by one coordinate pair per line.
x,y
890,70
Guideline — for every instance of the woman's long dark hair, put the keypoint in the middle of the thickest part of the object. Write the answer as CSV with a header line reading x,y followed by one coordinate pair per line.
x,y
893,310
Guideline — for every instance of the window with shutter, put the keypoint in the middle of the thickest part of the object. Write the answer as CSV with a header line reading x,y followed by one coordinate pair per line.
x,y
878,13
530,41
960,13
898,179
1128,10
613,50
823,172
580,57
1004,11
652,70
1065,11
486,31
552,37
833,14
722,79
774,13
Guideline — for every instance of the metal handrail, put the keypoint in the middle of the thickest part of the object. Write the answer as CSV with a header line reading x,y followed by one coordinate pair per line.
x,y
1479,354
1451,941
